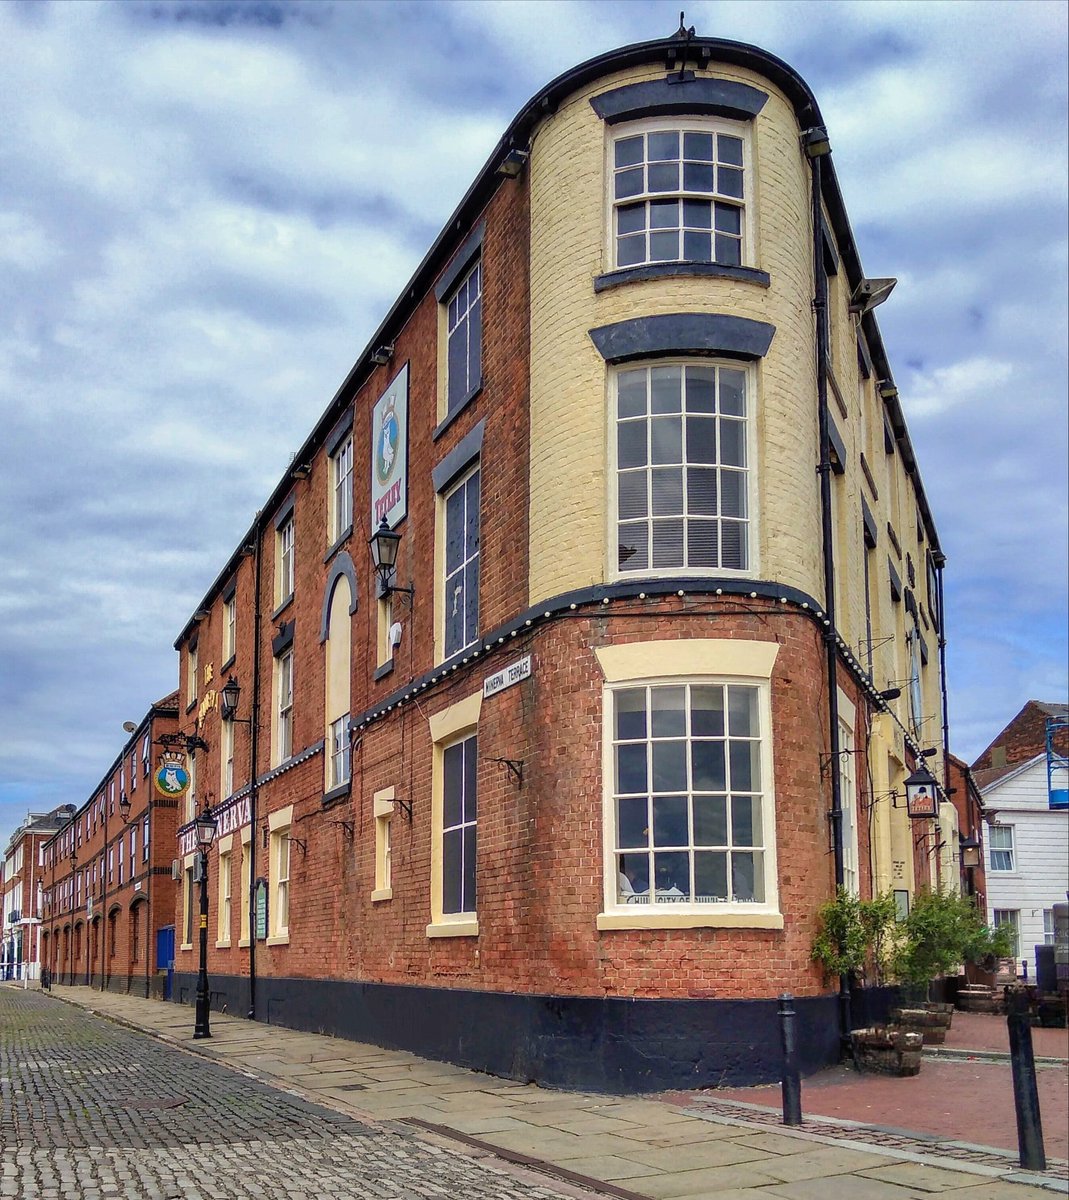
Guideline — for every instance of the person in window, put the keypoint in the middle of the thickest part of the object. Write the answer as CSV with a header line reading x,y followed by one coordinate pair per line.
x,y
632,879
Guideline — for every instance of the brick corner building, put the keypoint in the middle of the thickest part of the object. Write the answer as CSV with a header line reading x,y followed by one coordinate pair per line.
x,y
559,794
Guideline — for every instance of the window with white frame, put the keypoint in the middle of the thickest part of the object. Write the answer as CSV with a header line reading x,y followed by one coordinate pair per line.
x,y
144,840
223,930
280,872
145,754
1000,847
682,468
191,791
459,813
284,555
339,751
230,628
679,193
848,799
462,564
120,862
133,779
464,335
283,706
191,674
226,755
1010,919
689,821
187,908
245,877
916,699
1049,936
341,474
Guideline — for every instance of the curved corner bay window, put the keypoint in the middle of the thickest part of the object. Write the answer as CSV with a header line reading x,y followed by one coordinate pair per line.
x,y
678,196
688,794
681,469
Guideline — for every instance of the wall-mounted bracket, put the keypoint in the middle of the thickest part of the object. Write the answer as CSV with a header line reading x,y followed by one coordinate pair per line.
x,y
515,768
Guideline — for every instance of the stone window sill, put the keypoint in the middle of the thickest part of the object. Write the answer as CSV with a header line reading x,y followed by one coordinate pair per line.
x,y
448,929
689,920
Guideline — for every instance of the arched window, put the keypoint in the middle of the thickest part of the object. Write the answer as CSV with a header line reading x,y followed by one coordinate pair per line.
x,y
337,682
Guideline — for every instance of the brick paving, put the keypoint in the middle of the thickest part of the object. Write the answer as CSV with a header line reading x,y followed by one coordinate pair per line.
x,y
956,1097
90,1110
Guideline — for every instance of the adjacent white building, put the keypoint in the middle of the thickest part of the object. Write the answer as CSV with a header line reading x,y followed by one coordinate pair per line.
x,y
1027,856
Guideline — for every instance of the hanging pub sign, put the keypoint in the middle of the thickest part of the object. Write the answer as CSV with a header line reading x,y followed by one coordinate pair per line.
x,y
389,453
922,794
172,777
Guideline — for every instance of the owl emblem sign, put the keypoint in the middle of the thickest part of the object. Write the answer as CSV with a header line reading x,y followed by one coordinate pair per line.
x,y
389,453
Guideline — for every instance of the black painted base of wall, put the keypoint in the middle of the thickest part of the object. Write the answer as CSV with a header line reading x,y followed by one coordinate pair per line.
x,y
136,985
601,1044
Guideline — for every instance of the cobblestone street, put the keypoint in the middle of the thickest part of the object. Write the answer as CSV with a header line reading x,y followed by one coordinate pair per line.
x,y
91,1110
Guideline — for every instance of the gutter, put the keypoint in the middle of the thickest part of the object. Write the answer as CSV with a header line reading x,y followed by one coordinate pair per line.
x,y
254,744
820,305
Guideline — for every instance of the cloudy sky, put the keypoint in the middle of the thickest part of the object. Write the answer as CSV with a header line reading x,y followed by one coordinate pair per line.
x,y
207,206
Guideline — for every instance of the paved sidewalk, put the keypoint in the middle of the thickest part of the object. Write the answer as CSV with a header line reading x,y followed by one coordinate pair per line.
x,y
631,1148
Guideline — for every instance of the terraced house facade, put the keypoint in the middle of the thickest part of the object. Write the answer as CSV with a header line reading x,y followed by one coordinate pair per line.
x,y
107,899
558,794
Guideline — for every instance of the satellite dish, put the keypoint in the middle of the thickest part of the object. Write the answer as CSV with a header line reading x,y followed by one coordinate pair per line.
x,y
129,726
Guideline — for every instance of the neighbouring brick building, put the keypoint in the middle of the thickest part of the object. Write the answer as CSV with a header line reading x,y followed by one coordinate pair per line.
x,y
21,888
106,873
560,798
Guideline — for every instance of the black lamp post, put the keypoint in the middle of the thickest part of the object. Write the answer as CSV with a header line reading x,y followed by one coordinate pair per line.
x,y
206,826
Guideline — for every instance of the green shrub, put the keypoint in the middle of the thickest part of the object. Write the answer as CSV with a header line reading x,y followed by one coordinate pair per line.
x,y
942,931
856,937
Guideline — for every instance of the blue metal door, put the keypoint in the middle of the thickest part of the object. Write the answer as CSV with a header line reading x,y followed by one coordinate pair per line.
x,y
165,957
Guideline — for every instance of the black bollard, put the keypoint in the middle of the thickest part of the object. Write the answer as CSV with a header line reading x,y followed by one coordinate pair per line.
x,y
1025,1091
792,1084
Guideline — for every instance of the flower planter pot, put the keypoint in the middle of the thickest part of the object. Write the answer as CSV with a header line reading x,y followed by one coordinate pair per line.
x,y
887,1050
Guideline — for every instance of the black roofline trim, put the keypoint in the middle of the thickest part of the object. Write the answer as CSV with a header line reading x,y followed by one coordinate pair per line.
x,y
672,97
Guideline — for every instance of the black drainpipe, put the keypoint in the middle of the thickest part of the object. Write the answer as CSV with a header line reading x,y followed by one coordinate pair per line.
x,y
939,562
820,305
253,756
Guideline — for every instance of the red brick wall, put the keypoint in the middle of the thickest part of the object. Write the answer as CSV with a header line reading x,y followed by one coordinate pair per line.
x,y
149,885
540,845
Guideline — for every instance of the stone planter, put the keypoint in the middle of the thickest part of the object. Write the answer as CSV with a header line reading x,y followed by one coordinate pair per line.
x,y
931,1021
887,1050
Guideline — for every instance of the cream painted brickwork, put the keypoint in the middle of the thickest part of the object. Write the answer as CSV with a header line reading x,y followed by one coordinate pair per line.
x,y
569,411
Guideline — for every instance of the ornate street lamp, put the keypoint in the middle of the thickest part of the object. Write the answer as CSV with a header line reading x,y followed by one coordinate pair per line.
x,y
384,543
206,825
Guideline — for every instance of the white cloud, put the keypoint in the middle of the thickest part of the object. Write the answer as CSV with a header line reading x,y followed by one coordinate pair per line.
x,y
203,223
969,383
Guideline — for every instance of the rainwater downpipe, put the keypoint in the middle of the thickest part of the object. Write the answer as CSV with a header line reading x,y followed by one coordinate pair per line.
x,y
939,562
820,306
254,741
